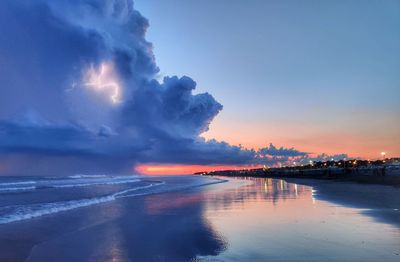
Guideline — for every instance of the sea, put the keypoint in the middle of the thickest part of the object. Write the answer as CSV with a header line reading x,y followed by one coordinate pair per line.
x,y
27,197
195,218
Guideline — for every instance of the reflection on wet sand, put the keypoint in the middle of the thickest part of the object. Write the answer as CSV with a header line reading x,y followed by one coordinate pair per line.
x,y
173,233
380,202
240,220
256,189
270,219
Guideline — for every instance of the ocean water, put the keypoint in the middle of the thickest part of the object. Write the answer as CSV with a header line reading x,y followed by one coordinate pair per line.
x,y
193,218
24,198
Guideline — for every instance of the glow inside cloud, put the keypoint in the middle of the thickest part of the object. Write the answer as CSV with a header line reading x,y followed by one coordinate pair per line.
x,y
104,80
47,127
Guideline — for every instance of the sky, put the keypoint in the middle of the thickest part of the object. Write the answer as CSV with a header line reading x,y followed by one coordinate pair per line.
x,y
320,76
112,86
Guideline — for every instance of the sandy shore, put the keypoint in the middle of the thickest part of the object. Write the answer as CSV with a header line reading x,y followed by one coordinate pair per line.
x,y
382,202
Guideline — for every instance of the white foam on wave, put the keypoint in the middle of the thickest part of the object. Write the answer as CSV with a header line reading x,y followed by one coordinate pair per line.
x,y
86,176
12,189
18,183
20,213
67,183
96,183
37,210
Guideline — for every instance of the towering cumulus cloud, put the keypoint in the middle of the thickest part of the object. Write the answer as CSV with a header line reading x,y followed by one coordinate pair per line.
x,y
78,93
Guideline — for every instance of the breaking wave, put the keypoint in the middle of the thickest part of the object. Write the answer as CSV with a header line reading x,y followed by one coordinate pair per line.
x,y
18,183
70,182
86,176
15,207
13,189
37,210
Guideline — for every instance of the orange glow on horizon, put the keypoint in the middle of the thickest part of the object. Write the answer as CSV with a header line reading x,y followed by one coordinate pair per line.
x,y
312,137
177,169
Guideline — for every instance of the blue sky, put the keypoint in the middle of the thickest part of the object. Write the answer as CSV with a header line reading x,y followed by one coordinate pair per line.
x,y
283,66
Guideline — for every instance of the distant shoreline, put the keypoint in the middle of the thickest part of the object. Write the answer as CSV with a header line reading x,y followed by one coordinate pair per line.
x,y
363,176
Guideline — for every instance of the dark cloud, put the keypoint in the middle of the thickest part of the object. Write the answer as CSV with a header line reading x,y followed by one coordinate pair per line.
x,y
62,61
171,108
271,150
63,139
325,157
38,52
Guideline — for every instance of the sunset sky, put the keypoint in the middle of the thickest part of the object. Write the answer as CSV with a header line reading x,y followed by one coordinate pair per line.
x,y
320,76
177,86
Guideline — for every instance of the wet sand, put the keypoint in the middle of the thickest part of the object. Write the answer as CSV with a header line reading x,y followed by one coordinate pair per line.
x,y
382,202
241,220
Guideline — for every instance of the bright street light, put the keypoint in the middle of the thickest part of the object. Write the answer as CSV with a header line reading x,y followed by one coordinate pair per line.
x,y
383,154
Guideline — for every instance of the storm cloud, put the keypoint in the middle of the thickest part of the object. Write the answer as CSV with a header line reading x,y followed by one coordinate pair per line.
x,y
79,93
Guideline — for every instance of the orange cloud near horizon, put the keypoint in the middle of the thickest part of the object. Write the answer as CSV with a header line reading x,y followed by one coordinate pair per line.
x,y
182,169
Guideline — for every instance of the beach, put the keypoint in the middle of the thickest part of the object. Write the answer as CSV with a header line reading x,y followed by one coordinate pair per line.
x,y
193,218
